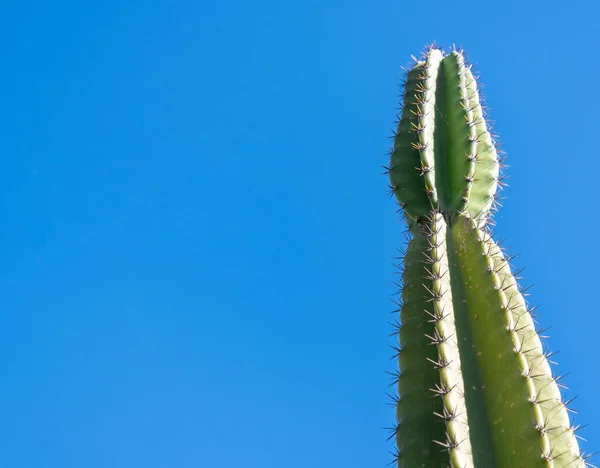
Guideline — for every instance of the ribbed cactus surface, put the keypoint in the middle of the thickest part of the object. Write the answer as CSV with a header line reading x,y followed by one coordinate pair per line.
x,y
475,387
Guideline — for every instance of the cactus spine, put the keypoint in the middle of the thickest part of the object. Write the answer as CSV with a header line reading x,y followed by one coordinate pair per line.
x,y
475,387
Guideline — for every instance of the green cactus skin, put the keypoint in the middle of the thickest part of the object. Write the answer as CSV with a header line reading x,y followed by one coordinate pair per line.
x,y
475,388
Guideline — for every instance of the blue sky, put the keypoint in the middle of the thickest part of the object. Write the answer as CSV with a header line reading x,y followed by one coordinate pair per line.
x,y
196,241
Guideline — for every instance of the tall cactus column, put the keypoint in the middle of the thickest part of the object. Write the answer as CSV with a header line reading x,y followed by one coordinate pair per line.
x,y
475,387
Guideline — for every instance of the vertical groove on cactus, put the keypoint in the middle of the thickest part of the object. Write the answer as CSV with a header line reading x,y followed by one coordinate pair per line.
x,y
475,386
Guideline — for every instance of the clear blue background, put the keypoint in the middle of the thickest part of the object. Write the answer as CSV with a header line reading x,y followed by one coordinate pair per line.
x,y
196,243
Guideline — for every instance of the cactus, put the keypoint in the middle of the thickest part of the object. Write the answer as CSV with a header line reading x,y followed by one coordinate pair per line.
x,y
475,388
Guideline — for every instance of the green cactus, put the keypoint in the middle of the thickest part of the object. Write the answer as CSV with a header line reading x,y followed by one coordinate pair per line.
x,y
474,385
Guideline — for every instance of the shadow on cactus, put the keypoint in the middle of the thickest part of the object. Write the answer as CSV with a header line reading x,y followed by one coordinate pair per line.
x,y
475,388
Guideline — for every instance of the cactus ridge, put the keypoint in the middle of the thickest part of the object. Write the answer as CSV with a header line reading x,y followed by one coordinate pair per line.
x,y
475,386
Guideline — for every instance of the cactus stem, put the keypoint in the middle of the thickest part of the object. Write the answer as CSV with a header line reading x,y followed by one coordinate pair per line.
x,y
466,333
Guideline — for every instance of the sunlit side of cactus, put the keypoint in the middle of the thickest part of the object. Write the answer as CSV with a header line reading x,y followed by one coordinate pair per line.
x,y
475,388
